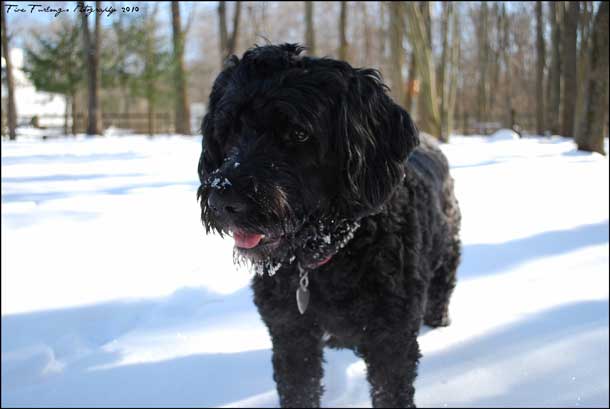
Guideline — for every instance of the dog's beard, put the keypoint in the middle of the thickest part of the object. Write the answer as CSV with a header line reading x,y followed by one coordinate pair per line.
x,y
318,239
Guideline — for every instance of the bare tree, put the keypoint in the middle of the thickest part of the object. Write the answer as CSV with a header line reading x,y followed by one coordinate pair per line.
x,y
228,41
396,50
569,91
12,110
540,62
342,53
554,76
310,35
183,115
91,48
590,136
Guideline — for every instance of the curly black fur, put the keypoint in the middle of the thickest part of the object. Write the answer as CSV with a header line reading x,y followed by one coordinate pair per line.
x,y
297,148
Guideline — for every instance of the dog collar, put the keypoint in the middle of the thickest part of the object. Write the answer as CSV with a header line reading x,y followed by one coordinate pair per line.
x,y
343,235
326,260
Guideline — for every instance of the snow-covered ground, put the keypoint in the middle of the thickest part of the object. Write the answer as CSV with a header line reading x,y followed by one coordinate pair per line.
x,y
112,295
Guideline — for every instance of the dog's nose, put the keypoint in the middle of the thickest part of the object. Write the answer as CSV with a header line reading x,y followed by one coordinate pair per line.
x,y
226,203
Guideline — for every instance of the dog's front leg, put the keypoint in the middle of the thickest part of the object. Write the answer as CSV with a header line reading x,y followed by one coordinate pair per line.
x,y
297,365
391,369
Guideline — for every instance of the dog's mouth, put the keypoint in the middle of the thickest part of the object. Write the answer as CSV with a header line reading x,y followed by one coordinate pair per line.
x,y
245,240
250,241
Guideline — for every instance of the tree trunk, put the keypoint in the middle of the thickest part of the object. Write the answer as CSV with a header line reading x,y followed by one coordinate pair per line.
x,y
554,78
508,68
342,53
396,50
150,113
92,57
382,32
367,34
150,81
591,135
428,116
228,42
494,64
454,73
310,35
585,28
569,73
232,46
97,126
12,108
483,57
421,108
66,113
427,19
73,112
183,116
447,10
222,31
540,62
411,81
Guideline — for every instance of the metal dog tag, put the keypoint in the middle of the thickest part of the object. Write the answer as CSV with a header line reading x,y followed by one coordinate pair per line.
x,y
302,299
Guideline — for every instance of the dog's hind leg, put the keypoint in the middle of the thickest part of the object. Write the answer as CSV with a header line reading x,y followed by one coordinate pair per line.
x,y
440,288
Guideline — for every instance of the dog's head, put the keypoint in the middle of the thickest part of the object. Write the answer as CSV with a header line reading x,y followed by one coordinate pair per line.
x,y
293,142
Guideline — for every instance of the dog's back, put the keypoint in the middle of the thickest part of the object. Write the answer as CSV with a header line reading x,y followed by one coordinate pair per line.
x,y
430,177
428,160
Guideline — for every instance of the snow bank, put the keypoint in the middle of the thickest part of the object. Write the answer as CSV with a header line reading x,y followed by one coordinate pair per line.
x,y
503,135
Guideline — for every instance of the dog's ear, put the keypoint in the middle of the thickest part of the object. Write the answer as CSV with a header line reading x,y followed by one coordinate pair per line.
x,y
211,155
375,138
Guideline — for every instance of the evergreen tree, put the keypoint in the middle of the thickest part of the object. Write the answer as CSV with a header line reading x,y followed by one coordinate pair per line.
x,y
55,64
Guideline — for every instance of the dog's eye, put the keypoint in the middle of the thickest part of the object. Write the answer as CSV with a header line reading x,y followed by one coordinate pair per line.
x,y
299,136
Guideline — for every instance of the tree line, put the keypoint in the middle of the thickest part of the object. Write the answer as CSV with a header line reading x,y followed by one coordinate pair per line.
x,y
456,66
128,63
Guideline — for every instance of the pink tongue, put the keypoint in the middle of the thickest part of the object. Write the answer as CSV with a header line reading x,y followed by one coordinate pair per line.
x,y
246,240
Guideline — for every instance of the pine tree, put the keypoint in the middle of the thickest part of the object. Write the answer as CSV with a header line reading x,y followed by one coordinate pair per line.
x,y
55,64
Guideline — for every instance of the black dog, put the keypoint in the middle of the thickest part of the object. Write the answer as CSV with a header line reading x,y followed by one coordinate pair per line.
x,y
348,216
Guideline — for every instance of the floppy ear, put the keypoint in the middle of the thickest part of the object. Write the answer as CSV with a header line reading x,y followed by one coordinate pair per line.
x,y
375,138
211,155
